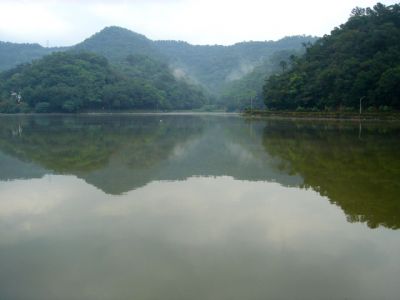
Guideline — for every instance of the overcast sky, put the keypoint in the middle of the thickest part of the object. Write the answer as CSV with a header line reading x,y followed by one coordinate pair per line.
x,y
66,22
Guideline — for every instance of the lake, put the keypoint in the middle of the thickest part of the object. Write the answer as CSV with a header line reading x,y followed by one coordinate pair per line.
x,y
193,207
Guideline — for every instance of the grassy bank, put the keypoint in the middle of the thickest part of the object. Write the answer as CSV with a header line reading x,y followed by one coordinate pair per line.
x,y
388,116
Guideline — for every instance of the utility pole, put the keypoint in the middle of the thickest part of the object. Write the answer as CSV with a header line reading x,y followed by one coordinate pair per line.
x,y
361,99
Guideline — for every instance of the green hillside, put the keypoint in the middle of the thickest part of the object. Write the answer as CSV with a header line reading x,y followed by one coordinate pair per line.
x,y
71,82
358,60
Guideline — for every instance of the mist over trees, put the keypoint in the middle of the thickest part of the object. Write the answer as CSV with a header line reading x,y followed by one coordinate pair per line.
x,y
215,66
246,92
358,60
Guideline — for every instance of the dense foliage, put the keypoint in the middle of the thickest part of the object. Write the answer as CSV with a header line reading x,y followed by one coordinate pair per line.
x,y
358,60
70,82
174,93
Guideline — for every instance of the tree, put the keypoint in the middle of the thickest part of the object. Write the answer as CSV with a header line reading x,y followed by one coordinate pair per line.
x,y
361,58
358,12
283,65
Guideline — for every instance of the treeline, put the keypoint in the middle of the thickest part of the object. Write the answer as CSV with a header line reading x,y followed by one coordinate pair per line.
x,y
72,82
359,61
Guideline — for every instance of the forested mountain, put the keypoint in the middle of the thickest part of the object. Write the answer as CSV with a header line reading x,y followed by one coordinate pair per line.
x,y
211,67
70,82
358,60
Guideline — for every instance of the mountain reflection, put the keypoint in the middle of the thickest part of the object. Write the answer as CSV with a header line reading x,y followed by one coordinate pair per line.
x,y
356,167
121,153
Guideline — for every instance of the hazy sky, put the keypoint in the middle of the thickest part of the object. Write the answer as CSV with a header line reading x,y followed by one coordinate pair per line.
x,y
66,22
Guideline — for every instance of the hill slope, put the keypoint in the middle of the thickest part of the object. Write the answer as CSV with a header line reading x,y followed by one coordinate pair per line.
x,y
69,82
358,60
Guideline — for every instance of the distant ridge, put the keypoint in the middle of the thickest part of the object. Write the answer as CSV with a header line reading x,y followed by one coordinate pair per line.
x,y
209,65
13,54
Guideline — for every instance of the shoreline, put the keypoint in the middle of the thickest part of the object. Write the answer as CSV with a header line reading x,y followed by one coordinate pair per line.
x,y
339,116
283,115
127,113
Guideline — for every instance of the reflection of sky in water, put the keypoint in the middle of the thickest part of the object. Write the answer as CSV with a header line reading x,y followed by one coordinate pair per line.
x,y
202,238
195,208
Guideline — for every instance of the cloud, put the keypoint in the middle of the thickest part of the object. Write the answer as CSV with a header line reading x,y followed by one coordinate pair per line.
x,y
200,22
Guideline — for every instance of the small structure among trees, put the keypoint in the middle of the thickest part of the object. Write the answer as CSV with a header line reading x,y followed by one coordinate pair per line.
x,y
17,97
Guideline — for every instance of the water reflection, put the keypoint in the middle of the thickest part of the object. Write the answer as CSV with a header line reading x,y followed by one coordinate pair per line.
x,y
120,153
207,238
197,207
359,173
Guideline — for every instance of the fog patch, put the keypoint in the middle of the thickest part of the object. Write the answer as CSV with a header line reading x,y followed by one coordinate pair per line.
x,y
243,69
181,74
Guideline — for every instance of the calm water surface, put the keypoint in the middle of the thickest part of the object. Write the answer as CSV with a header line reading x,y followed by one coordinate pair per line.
x,y
198,207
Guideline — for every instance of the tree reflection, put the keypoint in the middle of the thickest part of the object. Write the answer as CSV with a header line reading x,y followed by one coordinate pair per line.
x,y
362,176
82,146
121,153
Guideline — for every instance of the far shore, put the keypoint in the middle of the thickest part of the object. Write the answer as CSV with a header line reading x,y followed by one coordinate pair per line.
x,y
325,115
257,114
144,113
